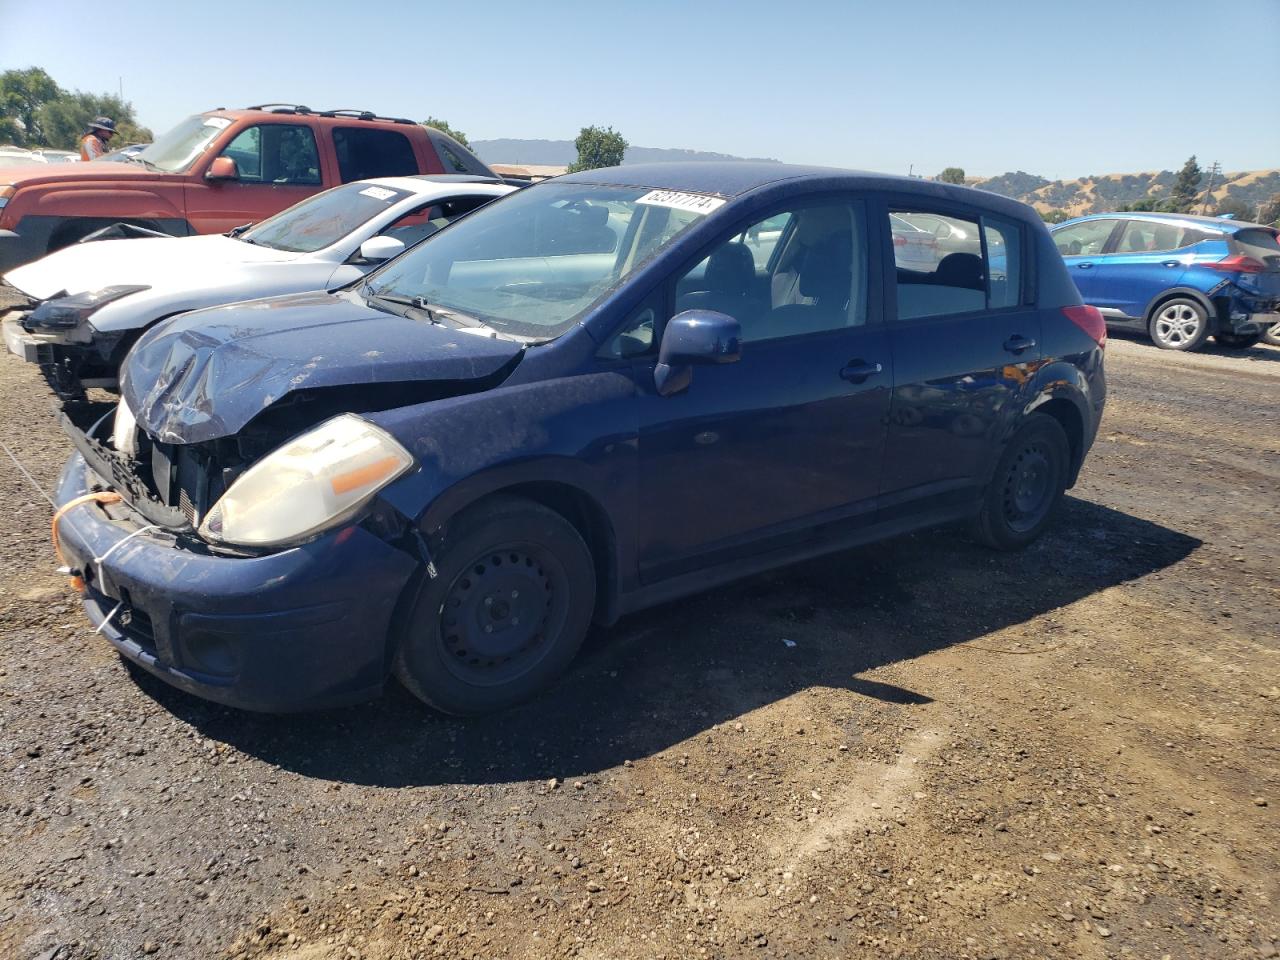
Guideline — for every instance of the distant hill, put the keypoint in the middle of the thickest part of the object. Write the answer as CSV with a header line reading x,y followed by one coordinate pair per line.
x,y
563,152
1098,194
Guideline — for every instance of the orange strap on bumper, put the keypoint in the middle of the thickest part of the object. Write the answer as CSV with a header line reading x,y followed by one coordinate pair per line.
x,y
103,496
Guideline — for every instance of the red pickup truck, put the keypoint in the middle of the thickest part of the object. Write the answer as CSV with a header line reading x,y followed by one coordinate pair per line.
x,y
214,171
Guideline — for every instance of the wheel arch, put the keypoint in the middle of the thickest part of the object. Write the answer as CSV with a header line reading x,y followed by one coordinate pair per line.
x,y
1064,395
573,500
1174,293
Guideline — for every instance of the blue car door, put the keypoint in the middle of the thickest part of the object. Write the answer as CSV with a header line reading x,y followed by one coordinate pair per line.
x,y
753,454
1083,246
1145,262
965,344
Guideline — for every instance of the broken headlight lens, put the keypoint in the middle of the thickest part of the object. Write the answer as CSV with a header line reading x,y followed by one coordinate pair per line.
x,y
67,312
313,482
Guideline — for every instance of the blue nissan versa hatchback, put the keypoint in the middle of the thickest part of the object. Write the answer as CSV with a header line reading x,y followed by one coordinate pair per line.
x,y
597,394
1179,278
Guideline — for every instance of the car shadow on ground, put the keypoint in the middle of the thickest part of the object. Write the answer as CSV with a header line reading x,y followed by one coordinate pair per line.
x,y
671,673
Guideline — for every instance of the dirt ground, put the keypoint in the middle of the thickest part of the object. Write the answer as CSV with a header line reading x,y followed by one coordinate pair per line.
x,y
917,749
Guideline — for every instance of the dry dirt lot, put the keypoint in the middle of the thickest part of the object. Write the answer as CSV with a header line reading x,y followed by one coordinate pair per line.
x,y
917,749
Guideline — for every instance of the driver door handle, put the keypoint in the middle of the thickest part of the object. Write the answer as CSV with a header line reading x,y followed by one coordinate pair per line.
x,y
1019,344
856,371
1083,266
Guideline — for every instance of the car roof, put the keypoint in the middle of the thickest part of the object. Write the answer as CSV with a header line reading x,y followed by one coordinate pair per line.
x,y
1173,219
439,183
735,178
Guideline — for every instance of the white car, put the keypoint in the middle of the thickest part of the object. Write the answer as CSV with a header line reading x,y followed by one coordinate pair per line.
x,y
86,304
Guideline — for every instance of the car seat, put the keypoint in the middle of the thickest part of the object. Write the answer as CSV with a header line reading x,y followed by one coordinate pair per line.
x,y
825,280
728,283
962,270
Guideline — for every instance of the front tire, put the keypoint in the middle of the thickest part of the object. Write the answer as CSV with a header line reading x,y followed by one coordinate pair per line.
x,y
1179,324
1237,341
1026,486
1271,335
506,613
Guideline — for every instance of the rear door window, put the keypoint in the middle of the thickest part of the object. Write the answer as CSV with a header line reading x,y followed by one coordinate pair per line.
x,y
948,264
365,153
455,157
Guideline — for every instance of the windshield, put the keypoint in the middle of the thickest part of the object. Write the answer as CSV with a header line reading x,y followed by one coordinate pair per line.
x,y
532,263
178,149
324,219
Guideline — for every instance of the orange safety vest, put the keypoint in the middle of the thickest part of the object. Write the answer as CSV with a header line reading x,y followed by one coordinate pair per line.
x,y
91,146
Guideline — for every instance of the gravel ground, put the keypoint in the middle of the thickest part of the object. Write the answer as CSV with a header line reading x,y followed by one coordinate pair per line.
x,y
917,749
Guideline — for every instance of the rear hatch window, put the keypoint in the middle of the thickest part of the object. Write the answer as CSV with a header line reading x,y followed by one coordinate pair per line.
x,y
1260,244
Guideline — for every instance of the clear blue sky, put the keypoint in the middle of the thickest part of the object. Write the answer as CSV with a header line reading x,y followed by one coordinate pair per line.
x,y
1061,89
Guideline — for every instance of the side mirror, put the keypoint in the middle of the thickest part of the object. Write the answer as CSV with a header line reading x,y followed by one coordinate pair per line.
x,y
222,168
691,338
377,249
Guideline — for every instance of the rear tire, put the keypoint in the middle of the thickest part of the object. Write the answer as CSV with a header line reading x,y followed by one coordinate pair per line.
x,y
1027,485
1237,341
1179,324
509,608
1271,335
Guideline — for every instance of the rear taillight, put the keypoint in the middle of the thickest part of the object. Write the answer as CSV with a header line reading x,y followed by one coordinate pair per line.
x,y
899,240
1089,319
1238,264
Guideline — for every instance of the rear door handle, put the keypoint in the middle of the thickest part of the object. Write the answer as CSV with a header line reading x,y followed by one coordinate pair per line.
x,y
1019,344
856,371
1172,263
1084,266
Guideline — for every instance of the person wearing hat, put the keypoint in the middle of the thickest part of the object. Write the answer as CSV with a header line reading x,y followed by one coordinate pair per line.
x,y
94,142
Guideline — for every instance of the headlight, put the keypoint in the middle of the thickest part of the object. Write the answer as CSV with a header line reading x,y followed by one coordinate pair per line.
x,y
70,311
124,431
313,482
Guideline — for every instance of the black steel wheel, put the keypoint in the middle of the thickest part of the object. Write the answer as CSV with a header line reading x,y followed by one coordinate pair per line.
x,y
1026,485
506,613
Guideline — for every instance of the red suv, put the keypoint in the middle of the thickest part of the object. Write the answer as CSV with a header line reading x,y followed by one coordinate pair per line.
x,y
215,171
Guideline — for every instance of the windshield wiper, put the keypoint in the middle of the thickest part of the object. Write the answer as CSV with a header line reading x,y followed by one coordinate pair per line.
x,y
134,158
432,311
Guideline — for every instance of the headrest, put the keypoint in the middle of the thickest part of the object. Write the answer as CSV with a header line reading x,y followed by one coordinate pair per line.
x,y
731,269
826,272
594,216
960,270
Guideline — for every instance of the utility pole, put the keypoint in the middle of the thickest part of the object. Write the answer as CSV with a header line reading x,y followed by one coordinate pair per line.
x,y
1214,170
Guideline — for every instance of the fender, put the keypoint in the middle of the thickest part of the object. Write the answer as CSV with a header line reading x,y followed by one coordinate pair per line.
x,y
577,432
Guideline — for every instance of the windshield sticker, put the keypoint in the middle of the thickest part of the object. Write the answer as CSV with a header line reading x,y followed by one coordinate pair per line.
x,y
692,202
378,193
220,123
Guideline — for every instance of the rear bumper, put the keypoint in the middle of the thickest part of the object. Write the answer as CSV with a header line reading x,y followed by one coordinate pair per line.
x,y
300,629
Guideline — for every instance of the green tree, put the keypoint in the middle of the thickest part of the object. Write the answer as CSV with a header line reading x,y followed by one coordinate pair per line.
x,y
1056,215
952,175
598,147
1234,206
22,94
1187,187
444,127
63,121
1269,210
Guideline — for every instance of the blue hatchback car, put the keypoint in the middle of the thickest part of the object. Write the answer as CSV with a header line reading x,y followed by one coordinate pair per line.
x,y
1179,278
601,393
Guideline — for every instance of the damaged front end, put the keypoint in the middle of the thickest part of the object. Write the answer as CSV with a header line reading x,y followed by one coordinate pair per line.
x,y
58,335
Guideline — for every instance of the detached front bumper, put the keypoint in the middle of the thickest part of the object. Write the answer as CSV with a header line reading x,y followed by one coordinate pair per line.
x,y
300,629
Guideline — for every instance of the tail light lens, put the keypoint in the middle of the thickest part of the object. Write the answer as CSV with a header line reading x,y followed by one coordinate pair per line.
x,y
1238,264
1089,319
899,240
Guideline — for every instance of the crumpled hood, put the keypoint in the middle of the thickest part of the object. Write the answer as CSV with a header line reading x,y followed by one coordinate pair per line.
x,y
206,374
150,262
